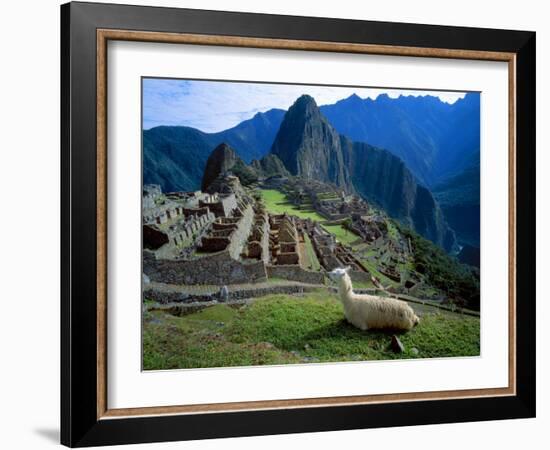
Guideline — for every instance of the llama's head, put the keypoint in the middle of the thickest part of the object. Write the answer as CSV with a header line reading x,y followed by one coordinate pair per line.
x,y
341,278
339,274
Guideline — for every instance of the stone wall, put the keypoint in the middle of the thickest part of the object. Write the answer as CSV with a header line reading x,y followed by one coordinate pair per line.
x,y
194,211
153,238
240,235
164,297
296,273
265,240
287,258
223,207
217,269
359,276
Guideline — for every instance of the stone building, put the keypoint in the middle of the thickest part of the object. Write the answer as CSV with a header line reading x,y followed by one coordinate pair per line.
x,y
283,240
330,253
223,205
229,233
341,207
369,228
258,240
179,232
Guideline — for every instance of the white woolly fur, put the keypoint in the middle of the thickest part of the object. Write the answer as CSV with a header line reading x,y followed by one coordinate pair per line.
x,y
371,311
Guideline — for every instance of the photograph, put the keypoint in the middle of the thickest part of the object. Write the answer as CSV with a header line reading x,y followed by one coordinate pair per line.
x,y
302,223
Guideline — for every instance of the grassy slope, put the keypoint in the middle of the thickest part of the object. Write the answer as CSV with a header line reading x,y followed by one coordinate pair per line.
x,y
279,329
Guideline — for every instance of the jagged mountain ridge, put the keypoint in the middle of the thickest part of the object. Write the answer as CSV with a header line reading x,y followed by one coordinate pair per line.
x,y
434,138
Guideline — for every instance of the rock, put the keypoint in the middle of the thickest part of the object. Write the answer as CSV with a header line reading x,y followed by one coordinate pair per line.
x,y
183,297
414,351
307,347
396,345
310,359
222,162
224,294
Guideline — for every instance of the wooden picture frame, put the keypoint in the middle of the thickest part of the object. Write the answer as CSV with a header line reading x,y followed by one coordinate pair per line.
x,y
85,416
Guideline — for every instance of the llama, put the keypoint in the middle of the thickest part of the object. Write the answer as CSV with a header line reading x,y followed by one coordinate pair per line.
x,y
371,311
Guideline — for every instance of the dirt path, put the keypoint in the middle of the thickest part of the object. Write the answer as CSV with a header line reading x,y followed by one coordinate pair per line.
x,y
214,289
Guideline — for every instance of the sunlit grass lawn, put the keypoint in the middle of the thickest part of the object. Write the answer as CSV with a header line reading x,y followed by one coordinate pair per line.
x,y
277,203
280,329
344,235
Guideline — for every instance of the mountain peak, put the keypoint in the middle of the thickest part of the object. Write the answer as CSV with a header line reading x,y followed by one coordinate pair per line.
x,y
353,98
383,97
309,146
220,161
223,150
304,104
305,99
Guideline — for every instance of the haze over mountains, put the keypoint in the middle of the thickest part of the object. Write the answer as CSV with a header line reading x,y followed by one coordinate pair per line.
x,y
429,147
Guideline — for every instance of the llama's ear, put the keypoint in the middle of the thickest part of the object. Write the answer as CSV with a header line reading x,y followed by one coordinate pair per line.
x,y
347,269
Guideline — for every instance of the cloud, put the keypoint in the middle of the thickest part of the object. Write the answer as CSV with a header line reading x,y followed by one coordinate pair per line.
x,y
214,106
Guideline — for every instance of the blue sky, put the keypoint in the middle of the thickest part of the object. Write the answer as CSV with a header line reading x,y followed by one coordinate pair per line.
x,y
214,106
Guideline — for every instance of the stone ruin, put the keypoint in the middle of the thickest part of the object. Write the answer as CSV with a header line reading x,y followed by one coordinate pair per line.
x,y
172,222
225,237
369,228
229,233
325,198
283,241
219,235
341,207
258,240
330,253
221,205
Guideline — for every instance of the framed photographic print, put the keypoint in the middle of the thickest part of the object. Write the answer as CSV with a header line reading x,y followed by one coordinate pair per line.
x,y
277,224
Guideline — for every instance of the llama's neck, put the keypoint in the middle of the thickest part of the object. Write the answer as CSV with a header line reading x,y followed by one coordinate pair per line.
x,y
345,289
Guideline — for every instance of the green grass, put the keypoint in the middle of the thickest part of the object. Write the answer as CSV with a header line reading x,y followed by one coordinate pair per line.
x,y
373,269
313,262
458,281
363,285
280,329
342,234
392,230
277,203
